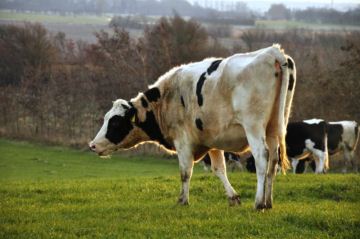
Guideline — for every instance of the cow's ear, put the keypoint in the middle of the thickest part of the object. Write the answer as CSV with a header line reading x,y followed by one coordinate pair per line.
x,y
152,94
131,113
125,106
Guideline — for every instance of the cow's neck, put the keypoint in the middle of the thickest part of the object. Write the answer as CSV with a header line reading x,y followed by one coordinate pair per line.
x,y
151,125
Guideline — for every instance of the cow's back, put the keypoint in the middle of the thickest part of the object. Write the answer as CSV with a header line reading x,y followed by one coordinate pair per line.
x,y
215,97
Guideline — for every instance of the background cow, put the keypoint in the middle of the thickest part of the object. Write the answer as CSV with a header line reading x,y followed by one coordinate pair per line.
x,y
342,136
307,138
187,110
303,139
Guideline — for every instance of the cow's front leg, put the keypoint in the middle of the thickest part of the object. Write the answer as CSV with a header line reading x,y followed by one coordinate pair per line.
x,y
186,163
219,167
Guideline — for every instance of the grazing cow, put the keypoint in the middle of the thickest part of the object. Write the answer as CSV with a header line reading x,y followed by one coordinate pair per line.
x,y
342,136
211,106
308,138
303,139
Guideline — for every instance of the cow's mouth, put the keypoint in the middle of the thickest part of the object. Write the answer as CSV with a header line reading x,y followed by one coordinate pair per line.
x,y
105,153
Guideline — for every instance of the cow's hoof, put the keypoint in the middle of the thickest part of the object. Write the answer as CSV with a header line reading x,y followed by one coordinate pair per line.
x,y
268,205
234,200
183,202
260,207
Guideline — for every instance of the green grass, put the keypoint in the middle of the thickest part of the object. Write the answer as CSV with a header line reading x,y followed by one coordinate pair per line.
x,y
58,192
45,18
25,161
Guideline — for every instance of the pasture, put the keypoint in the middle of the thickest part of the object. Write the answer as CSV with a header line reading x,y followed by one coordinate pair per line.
x,y
59,192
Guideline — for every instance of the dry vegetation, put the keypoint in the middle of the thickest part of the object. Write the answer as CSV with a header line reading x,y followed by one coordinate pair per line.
x,y
55,89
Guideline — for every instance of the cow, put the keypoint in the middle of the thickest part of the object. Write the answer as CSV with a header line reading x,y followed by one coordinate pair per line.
x,y
208,107
342,136
303,139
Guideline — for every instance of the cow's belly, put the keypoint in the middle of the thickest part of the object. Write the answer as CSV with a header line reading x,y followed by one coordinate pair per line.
x,y
232,139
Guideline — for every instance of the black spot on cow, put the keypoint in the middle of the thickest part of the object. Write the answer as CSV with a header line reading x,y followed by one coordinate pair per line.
x,y
199,124
291,82
120,126
213,67
153,94
276,74
144,103
182,101
152,129
199,86
335,132
290,63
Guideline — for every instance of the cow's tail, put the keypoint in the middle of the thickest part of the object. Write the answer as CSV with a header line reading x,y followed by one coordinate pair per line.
x,y
288,81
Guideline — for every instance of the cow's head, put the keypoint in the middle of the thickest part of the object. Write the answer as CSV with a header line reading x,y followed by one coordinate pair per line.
x,y
118,130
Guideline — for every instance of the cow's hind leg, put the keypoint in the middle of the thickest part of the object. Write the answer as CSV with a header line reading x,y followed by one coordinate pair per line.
x,y
321,158
219,167
261,154
272,143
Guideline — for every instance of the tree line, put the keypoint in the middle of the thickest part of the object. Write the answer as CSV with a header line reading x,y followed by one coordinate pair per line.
x,y
57,90
314,15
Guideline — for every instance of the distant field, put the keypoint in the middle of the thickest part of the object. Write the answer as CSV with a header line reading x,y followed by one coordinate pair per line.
x,y
47,18
76,27
283,24
48,192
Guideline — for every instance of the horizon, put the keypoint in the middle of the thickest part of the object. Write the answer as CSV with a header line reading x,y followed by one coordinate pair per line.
x,y
263,5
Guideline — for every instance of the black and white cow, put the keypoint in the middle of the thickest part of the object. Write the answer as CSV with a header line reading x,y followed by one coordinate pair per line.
x,y
342,136
307,138
303,139
214,105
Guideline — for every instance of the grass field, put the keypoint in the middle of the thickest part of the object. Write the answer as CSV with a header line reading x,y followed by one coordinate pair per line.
x,y
53,192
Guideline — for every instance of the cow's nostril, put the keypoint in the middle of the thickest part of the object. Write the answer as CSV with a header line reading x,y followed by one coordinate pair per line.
x,y
92,147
